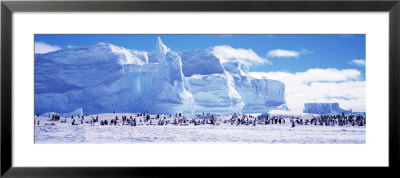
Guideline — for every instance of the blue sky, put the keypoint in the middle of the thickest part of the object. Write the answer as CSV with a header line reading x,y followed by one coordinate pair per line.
x,y
319,51
325,68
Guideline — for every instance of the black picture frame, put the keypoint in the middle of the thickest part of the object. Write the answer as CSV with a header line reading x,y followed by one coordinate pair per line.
x,y
8,7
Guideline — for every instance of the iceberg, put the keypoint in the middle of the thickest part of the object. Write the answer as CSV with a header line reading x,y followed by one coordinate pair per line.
x,y
324,108
101,78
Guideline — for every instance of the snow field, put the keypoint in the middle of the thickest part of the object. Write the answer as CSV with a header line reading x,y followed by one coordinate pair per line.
x,y
219,133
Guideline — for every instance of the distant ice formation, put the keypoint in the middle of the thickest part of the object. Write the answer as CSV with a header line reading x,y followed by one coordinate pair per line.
x,y
75,112
324,108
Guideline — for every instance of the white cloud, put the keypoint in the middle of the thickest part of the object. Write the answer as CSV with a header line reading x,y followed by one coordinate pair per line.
x,y
245,56
42,47
321,85
70,46
359,62
312,75
286,53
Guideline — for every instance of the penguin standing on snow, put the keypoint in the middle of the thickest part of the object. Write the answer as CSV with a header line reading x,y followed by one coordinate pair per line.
x,y
293,124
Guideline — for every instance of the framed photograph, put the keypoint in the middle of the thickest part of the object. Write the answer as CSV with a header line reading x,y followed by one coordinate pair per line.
x,y
159,88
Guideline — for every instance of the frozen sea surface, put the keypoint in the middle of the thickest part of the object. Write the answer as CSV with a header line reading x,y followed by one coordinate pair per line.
x,y
222,133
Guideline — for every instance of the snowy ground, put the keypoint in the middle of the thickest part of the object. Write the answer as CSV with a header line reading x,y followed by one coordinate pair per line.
x,y
61,132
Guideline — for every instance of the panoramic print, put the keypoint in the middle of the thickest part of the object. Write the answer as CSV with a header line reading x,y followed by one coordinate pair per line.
x,y
222,88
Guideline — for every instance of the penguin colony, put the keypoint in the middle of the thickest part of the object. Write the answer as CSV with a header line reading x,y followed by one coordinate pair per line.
x,y
143,119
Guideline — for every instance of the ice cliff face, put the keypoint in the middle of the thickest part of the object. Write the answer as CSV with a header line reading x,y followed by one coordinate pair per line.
x,y
259,95
226,87
212,87
104,77
168,86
